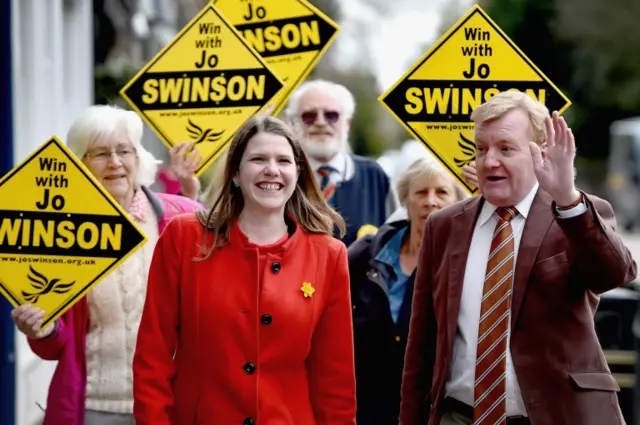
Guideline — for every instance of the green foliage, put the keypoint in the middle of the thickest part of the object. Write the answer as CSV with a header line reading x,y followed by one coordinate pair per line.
x,y
589,50
530,25
508,14
606,36
366,139
107,85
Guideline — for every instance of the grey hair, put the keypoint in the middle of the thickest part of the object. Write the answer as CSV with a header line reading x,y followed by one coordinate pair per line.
x,y
337,91
424,168
99,122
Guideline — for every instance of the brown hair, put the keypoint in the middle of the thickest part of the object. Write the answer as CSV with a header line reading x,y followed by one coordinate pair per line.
x,y
506,101
307,204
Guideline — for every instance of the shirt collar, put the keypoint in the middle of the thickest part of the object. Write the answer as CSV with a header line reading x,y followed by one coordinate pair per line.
x,y
342,163
139,207
523,207
390,252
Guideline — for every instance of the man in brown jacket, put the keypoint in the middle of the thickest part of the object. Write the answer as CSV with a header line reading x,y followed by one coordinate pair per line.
x,y
507,285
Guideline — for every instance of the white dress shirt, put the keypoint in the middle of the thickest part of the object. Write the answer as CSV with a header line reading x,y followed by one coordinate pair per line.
x,y
345,169
342,163
460,384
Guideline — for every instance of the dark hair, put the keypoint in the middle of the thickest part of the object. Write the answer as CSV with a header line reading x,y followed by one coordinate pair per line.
x,y
307,204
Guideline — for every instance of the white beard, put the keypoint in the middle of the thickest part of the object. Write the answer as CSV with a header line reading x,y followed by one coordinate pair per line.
x,y
329,149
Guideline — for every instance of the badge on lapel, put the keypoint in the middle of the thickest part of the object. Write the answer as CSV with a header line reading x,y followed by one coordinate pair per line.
x,y
307,289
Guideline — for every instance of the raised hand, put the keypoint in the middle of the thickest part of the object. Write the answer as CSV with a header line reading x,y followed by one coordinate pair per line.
x,y
184,165
554,167
470,174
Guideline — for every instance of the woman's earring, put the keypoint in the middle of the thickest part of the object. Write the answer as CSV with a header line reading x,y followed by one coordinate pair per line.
x,y
235,182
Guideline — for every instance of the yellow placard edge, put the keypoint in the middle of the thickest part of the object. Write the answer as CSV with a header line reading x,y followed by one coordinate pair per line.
x,y
526,59
319,54
206,162
84,170
439,43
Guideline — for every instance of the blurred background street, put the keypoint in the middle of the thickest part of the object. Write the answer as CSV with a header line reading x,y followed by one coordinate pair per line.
x,y
59,56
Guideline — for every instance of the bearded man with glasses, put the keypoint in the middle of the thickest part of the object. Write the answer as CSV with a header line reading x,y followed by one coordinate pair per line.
x,y
355,186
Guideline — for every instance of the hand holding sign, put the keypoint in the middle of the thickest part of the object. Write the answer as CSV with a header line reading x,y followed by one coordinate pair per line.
x,y
29,319
60,234
470,173
184,159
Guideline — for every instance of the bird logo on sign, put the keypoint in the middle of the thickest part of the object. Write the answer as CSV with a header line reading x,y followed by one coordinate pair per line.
x,y
44,286
468,149
198,135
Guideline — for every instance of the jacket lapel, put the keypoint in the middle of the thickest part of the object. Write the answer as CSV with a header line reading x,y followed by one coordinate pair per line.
x,y
405,309
535,229
462,231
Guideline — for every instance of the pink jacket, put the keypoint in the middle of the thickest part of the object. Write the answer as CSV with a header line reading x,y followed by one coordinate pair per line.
x,y
67,345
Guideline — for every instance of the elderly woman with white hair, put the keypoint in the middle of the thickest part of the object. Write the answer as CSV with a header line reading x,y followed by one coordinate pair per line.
x,y
94,341
382,269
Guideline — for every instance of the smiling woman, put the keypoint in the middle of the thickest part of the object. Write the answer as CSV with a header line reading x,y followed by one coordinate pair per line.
x,y
266,150
264,264
268,173
107,139
94,341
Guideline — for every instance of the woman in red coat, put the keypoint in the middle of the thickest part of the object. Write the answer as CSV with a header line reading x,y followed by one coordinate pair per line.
x,y
247,318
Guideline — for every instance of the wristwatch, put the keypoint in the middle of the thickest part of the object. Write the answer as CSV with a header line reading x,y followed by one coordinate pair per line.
x,y
573,205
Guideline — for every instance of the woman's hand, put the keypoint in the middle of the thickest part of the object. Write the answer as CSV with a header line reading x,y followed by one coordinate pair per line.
x,y
29,320
183,166
470,174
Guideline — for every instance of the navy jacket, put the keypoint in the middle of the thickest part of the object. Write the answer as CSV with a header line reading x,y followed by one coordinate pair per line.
x,y
379,343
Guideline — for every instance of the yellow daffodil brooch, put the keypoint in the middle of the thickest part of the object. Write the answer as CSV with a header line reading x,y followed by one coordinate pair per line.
x,y
307,289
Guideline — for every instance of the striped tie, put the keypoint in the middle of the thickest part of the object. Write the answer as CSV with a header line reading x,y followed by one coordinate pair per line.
x,y
327,187
490,407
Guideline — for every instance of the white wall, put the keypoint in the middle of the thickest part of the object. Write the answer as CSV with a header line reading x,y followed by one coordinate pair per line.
x,y
52,53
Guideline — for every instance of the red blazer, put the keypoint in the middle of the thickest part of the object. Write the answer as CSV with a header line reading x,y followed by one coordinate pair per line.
x,y
562,264
215,347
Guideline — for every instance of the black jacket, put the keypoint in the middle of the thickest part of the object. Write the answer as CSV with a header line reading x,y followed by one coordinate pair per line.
x,y
379,342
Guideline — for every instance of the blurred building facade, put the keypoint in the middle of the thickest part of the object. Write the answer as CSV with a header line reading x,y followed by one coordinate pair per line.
x,y
48,62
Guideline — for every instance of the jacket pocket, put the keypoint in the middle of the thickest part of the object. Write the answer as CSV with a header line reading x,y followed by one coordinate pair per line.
x,y
551,263
552,268
600,381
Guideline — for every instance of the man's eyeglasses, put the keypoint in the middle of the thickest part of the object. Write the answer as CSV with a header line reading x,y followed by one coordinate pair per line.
x,y
310,117
104,155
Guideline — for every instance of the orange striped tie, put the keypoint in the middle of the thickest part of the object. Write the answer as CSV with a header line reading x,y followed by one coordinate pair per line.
x,y
490,406
327,187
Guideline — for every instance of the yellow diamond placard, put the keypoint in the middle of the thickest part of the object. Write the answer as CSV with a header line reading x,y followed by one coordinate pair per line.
x,y
472,62
291,35
60,231
202,86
